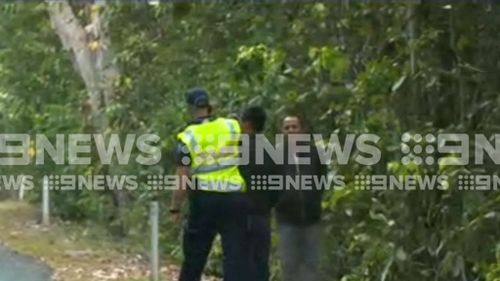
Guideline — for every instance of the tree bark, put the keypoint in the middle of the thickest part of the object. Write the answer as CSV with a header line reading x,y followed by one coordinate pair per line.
x,y
93,59
91,54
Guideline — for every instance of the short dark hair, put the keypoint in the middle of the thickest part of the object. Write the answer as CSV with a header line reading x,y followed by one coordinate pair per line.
x,y
297,114
257,116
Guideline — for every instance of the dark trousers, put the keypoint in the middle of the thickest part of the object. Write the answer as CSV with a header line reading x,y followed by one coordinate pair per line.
x,y
260,242
214,213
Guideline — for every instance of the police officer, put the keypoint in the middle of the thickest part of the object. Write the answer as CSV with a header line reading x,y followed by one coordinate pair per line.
x,y
207,166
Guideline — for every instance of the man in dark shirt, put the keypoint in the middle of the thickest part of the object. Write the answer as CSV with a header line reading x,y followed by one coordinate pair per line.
x,y
298,212
261,200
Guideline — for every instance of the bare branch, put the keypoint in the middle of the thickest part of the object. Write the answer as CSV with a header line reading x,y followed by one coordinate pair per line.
x,y
73,38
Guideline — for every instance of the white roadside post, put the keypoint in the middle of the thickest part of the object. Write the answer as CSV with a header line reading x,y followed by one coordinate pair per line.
x,y
21,188
155,260
45,201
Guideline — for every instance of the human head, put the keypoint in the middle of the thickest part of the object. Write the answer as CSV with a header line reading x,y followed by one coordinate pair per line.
x,y
253,119
198,102
293,124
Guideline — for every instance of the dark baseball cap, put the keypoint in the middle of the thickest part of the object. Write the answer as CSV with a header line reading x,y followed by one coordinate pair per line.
x,y
197,97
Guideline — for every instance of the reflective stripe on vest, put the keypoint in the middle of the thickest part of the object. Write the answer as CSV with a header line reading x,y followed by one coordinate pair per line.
x,y
222,165
192,140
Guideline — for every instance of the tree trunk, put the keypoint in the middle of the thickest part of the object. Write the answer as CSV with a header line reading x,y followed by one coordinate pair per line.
x,y
92,56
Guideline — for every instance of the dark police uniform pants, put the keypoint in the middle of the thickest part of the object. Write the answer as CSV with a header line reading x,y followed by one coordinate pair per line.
x,y
212,213
260,243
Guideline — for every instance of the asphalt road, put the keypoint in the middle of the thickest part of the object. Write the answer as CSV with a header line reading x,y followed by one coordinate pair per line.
x,y
14,267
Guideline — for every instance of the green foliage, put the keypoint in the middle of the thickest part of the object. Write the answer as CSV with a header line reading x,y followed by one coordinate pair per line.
x,y
347,67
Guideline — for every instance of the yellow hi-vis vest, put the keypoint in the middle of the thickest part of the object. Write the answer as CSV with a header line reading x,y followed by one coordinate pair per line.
x,y
213,146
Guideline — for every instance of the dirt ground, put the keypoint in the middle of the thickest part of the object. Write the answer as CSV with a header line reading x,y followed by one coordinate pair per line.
x,y
74,252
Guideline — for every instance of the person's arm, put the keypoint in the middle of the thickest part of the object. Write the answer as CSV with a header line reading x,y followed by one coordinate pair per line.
x,y
180,193
183,159
322,167
279,169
